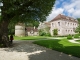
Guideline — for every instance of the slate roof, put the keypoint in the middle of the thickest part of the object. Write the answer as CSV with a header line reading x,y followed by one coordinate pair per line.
x,y
63,17
29,29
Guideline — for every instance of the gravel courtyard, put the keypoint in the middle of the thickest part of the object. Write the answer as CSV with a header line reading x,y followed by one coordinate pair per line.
x,y
26,50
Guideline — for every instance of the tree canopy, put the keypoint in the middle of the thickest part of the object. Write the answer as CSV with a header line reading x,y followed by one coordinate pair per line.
x,y
22,11
78,28
25,10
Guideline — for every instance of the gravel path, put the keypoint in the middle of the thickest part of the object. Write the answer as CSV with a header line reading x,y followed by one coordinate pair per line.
x,y
26,50
74,41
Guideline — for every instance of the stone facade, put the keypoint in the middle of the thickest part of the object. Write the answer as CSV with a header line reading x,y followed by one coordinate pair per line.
x,y
31,31
20,29
65,25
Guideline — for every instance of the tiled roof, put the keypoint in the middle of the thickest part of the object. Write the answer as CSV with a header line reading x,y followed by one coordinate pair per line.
x,y
60,16
29,29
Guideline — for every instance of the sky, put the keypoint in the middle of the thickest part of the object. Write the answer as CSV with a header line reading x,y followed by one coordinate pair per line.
x,y
69,8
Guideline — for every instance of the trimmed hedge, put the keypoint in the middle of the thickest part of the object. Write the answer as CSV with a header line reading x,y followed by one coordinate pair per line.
x,y
69,37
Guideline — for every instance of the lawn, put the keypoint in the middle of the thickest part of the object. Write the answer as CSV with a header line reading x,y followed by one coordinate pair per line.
x,y
62,45
30,38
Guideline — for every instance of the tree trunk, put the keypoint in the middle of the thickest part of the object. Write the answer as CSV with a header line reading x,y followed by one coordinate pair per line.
x,y
4,39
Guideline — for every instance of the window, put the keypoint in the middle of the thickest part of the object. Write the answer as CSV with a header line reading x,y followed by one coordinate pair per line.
x,y
73,23
59,23
52,24
68,23
58,30
66,30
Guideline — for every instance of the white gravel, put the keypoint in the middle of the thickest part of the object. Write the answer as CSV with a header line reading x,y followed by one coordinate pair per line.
x,y
74,41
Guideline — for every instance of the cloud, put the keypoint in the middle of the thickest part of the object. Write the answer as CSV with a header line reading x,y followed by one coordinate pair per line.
x,y
73,8
54,13
68,7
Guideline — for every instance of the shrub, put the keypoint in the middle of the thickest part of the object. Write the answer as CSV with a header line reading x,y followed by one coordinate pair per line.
x,y
69,37
55,32
76,36
42,34
48,34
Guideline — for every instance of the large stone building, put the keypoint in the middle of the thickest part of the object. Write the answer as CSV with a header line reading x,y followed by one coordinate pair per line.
x,y
65,25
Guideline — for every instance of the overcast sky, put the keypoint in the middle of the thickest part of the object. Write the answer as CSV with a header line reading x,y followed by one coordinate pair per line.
x,y
67,7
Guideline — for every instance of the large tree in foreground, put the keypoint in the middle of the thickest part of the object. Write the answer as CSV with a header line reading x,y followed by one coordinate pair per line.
x,y
22,11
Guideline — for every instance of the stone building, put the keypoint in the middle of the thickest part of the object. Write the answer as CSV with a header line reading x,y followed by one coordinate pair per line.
x,y
20,29
31,31
65,25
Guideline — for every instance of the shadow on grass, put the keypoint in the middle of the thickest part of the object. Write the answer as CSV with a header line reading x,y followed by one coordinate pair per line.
x,y
55,45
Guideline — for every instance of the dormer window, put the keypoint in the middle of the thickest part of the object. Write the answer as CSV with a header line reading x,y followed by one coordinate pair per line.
x,y
67,18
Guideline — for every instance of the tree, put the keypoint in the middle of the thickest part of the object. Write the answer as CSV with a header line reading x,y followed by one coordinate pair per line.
x,y
55,32
32,23
77,30
22,11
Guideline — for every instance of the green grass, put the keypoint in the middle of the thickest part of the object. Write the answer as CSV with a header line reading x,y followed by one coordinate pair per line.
x,y
30,38
61,45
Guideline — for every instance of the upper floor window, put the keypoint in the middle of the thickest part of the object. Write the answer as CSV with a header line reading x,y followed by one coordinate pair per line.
x,y
71,23
52,24
59,23
68,23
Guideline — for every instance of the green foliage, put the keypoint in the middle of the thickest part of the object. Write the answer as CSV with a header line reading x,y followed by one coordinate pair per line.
x,y
77,30
25,10
48,34
11,28
32,23
69,37
76,36
55,32
42,33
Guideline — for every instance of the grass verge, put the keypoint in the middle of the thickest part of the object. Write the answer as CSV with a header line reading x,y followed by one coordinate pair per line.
x,y
30,38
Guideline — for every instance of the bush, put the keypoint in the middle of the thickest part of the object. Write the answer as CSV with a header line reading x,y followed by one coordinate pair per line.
x,y
69,37
42,34
76,36
55,32
48,34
